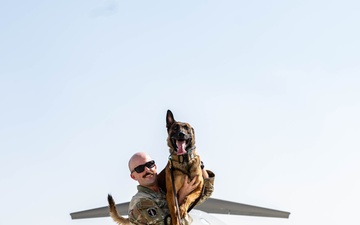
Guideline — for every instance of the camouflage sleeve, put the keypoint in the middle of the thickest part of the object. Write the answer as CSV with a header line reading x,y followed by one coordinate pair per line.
x,y
208,187
146,211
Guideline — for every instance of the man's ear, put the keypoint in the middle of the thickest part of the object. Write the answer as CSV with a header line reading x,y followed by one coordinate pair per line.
x,y
132,176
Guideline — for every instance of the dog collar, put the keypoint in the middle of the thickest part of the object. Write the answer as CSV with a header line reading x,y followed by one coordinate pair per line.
x,y
183,158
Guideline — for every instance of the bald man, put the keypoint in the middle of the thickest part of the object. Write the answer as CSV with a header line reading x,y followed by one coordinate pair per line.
x,y
148,205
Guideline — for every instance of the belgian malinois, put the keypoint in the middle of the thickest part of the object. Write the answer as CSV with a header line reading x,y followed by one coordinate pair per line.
x,y
183,161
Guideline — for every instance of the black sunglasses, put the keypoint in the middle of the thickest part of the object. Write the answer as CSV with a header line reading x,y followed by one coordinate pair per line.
x,y
141,168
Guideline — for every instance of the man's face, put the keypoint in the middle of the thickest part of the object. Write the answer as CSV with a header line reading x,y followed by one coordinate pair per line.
x,y
148,176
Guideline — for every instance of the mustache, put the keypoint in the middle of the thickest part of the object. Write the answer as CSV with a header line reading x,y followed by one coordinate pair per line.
x,y
148,173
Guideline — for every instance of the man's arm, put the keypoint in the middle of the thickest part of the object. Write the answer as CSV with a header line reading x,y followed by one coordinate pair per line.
x,y
209,178
187,188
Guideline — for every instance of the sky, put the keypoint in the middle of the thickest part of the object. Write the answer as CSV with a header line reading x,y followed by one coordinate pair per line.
x,y
270,87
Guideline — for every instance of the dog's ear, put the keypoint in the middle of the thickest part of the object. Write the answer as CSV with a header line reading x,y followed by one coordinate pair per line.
x,y
193,139
169,119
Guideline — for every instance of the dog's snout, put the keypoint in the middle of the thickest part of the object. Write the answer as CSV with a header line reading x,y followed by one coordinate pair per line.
x,y
181,134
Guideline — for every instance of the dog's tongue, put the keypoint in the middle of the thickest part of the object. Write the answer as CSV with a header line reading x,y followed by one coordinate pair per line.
x,y
181,147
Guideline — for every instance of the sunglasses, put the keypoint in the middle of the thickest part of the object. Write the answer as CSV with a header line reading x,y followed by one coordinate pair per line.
x,y
141,168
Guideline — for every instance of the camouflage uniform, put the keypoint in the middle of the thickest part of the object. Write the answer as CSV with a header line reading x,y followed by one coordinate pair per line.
x,y
150,207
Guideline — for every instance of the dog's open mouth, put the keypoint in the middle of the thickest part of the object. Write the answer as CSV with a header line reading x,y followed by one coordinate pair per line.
x,y
181,145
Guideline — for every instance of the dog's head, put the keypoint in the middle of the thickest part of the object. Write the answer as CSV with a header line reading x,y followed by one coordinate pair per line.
x,y
181,136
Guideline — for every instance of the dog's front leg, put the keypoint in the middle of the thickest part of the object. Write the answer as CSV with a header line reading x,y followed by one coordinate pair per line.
x,y
191,198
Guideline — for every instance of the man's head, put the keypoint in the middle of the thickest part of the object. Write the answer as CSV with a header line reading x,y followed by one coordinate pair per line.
x,y
143,169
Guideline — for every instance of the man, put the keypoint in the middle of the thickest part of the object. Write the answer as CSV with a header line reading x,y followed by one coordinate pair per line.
x,y
148,205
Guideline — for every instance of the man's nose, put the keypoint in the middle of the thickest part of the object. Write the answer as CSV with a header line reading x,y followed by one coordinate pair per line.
x,y
147,168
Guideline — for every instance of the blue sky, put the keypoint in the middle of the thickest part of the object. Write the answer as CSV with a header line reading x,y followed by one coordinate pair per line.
x,y
271,88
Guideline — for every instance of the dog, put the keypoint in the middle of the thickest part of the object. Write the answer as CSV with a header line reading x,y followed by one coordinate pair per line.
x,y
183,161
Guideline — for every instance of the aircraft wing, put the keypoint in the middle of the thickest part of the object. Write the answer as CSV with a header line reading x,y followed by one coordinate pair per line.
x,y
211,205
122,208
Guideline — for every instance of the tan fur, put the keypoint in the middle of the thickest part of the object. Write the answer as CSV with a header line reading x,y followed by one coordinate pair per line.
x,y
114,213
181,169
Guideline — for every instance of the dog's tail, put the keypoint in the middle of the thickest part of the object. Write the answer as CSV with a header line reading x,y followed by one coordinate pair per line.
x,y
114,213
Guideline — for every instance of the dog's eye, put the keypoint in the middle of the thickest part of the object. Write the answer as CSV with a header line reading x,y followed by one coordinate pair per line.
x,y
176,127
186,127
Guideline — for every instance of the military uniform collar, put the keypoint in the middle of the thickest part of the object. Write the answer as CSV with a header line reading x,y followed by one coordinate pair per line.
x,y
148,190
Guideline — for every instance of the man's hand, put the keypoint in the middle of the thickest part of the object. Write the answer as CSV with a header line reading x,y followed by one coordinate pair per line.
x,y
187,188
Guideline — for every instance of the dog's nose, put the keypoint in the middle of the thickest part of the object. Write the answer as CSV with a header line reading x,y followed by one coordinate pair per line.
x,y
181,134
